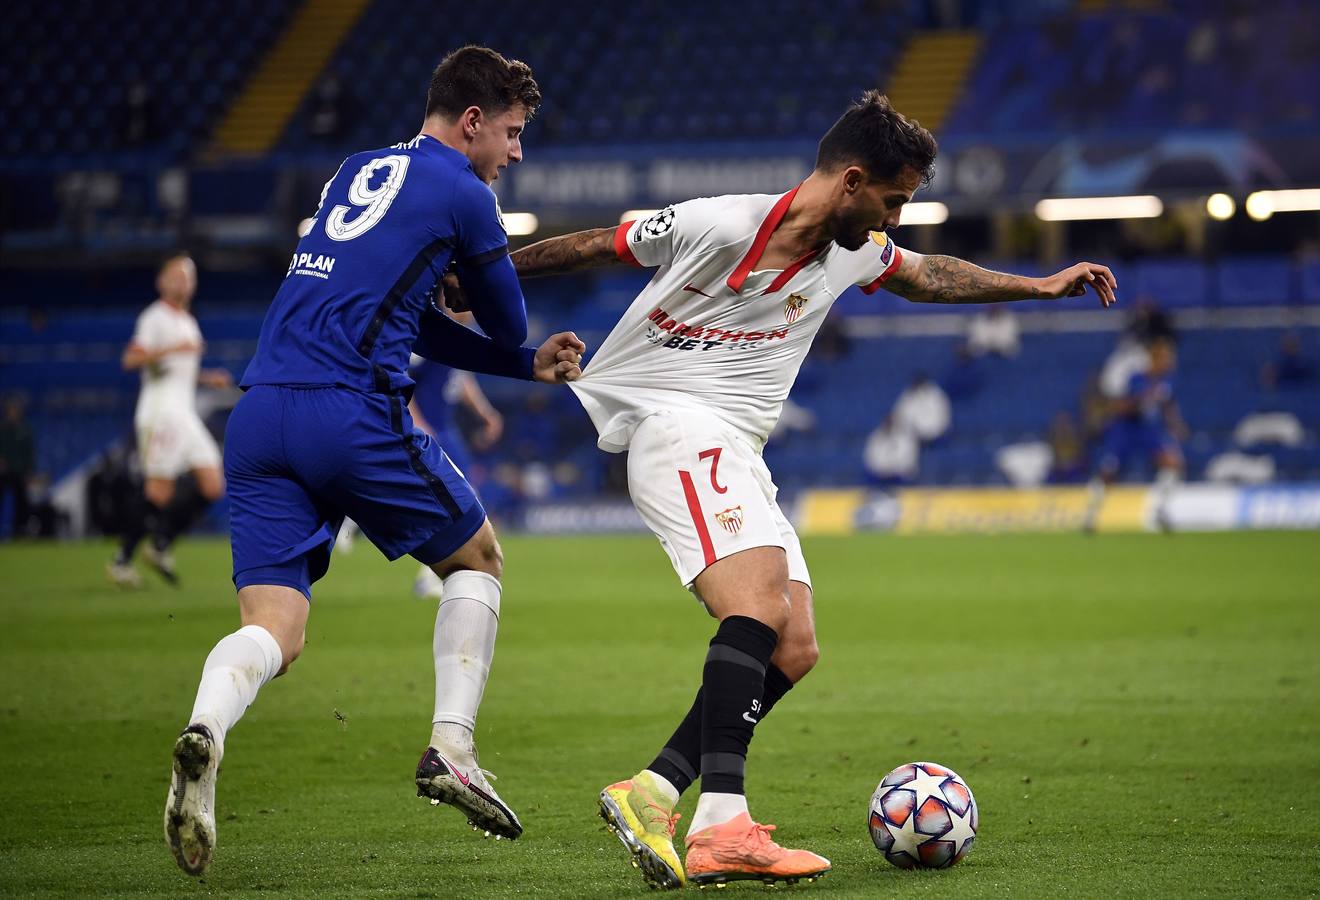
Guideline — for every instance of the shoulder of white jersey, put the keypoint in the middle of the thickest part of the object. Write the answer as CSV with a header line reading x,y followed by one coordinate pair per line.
x,y
870,264
708,223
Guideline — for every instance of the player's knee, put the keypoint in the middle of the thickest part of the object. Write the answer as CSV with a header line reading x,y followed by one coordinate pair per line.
x,y
482,554
158,492
211,487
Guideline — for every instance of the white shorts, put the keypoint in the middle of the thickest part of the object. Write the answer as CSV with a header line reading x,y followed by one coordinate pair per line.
x,y
168,447
706,493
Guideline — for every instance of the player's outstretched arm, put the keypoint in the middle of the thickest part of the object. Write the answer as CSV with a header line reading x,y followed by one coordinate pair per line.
x,y
947,279
443,340
567,253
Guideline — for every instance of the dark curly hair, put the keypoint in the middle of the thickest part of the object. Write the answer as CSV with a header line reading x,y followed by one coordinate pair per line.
x,y
880,139
480,77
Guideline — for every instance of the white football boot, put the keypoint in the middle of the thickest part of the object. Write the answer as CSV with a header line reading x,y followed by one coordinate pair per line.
x,y
190,803
466,787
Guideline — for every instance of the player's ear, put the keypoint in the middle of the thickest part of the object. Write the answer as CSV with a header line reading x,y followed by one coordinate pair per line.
x,y
471,121
853,179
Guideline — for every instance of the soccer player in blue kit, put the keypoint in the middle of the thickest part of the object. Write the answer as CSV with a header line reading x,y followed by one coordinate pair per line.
x,y
323,431
1146,423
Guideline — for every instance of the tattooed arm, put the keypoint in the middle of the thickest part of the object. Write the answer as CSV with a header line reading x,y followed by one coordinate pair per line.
x,y
946,279
579,250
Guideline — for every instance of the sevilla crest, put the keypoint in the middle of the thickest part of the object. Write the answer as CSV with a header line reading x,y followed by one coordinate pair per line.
x,y
731,519
793,307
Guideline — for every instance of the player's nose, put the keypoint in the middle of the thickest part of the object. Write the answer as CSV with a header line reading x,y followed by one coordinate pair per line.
x,y
515,151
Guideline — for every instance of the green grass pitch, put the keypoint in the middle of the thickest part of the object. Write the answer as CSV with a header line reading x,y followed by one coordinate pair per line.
x,y
1137,715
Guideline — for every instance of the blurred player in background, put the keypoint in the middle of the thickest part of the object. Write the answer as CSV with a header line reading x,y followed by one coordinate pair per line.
x,y
1146,422
171,438
438,390
323,431
691,382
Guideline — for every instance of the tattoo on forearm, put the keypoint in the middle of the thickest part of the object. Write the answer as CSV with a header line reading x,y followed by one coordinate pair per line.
x,y
947,279
579,250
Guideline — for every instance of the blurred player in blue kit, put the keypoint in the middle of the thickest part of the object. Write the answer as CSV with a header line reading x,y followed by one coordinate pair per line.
x,y
1146,423
438,392
324,431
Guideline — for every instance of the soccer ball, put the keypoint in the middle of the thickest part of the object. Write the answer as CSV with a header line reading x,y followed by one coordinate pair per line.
x,y
923,816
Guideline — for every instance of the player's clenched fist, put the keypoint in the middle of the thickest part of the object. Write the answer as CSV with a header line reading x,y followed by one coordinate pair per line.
x,y
559,359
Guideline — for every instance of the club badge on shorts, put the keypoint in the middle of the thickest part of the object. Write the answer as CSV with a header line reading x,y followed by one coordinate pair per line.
x,y
731,519
793,307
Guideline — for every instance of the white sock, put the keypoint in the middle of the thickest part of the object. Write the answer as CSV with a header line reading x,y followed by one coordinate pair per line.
x,y
464,644
664,786
716,809
1165,480
1095,497
234,671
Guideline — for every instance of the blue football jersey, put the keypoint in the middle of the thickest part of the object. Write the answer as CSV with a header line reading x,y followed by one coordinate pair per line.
x,y
1151,394
389,223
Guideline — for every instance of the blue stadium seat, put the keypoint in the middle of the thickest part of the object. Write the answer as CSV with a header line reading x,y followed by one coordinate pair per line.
x,y
1255,281
1173,283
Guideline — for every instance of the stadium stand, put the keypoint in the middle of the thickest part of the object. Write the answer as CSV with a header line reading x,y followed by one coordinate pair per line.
x,y
1190,65
625,79
123,83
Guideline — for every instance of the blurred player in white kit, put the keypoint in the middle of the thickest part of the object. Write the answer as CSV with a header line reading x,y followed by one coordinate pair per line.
x,y
166,348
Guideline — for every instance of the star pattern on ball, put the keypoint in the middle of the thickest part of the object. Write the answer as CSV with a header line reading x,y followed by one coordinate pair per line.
x,y
960,832
925,786
906,837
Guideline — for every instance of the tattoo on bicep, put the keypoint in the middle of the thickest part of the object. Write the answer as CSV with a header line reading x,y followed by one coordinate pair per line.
x,y
564,254
947,279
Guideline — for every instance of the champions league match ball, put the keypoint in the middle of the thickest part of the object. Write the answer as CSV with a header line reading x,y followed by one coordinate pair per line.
x,y
923,816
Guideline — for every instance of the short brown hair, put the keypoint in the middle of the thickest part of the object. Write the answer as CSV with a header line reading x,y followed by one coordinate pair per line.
x,y
880,139
480,77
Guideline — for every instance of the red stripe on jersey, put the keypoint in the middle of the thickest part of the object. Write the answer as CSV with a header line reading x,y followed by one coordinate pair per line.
x,y
699,520
884,276
783,277
621,248
777,213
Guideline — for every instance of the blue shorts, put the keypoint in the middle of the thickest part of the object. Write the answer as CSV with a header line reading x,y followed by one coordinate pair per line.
x,y
1126,438
455,448
298,460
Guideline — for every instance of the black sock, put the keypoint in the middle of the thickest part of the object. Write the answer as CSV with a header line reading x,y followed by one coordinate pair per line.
x,y
681,757
143,519
186,508
733,682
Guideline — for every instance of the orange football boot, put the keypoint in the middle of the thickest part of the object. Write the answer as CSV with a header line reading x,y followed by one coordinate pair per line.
x,y
741,850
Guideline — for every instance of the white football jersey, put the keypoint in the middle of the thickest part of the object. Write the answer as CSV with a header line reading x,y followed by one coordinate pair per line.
x,y
711,332
169,386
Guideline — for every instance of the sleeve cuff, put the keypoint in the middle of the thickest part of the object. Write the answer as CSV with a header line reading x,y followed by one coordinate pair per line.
x,y
480,259
526,357
884,276
621,248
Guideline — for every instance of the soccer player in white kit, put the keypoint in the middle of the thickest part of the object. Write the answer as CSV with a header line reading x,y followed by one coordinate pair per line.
x,y
691,382
167,348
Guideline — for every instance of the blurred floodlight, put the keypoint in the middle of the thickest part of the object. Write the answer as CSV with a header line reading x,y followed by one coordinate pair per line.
x,y
305,226
632,215
520,223
1220,206
925,213
1065,209
1267,203
1260,205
